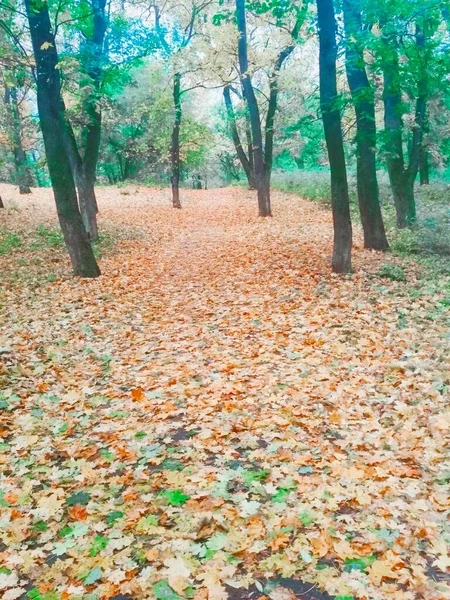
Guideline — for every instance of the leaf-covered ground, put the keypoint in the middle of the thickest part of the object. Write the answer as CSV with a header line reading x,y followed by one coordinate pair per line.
x,y
218,412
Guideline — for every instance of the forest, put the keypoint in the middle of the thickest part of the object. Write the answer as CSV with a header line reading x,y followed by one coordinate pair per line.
x,y
224,299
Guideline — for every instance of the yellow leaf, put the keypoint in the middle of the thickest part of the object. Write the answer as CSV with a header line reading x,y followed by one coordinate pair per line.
x,y
381,569
46,45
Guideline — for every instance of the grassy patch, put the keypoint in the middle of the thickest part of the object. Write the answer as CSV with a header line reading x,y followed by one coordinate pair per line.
x,y
313,185
47,237
9,242
393,272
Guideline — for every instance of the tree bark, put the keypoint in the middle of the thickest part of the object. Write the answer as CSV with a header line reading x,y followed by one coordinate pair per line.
x,y
248,135
86,194
244,160
175,150
94,56
263,189
401,177
24,179
53,126
341,262
424,169
364,103
1,203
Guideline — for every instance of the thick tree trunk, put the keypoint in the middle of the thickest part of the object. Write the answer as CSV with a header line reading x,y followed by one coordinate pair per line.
x,y
244,160
341,262
175,150
364,103
51,115
24,179
263,189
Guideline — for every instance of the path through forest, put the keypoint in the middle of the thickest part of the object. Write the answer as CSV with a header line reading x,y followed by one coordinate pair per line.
x,y
218,408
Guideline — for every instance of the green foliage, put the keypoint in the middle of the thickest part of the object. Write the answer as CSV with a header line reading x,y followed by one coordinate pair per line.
x,y
9,242
359,564
393,272
114,516
48,237
174,497
313,185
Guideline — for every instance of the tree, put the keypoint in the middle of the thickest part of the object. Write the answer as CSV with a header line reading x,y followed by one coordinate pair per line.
x,y
341,261
53,126
23,176
401,176
186,15
263,148
246,160
364,103
84,156
406,54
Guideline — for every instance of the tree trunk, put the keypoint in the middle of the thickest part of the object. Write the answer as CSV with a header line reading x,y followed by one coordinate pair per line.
x,y
399,177
364,103
1,203
85,189
424,169
175,150
263,189
416,151
23,177
94,56
248,135
270,117
52,121
244,160
341,262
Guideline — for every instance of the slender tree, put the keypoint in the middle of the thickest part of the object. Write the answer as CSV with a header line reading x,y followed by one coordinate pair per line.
x,y
402,172
183,38
84,155
23,176
261,157
175,148
263,190
364,103
243,158
53,126
341,261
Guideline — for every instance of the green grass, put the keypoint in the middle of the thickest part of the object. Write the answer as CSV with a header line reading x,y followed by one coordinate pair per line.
x,y
47,237
9,242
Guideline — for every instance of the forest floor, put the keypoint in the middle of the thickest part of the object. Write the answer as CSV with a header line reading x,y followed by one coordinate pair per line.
x,y
217,415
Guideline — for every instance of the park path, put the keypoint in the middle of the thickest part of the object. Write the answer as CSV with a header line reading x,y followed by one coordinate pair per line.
x,y
218,381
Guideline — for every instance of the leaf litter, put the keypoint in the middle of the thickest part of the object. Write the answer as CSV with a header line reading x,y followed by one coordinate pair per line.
x,y
218,416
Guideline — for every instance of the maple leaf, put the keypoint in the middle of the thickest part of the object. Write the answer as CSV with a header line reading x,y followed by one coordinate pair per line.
x,y
46,46
381,569
80,498
94,575
174,497
163,591
443,562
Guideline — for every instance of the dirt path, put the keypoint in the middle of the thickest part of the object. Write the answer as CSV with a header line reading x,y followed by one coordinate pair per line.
x,y
240,412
